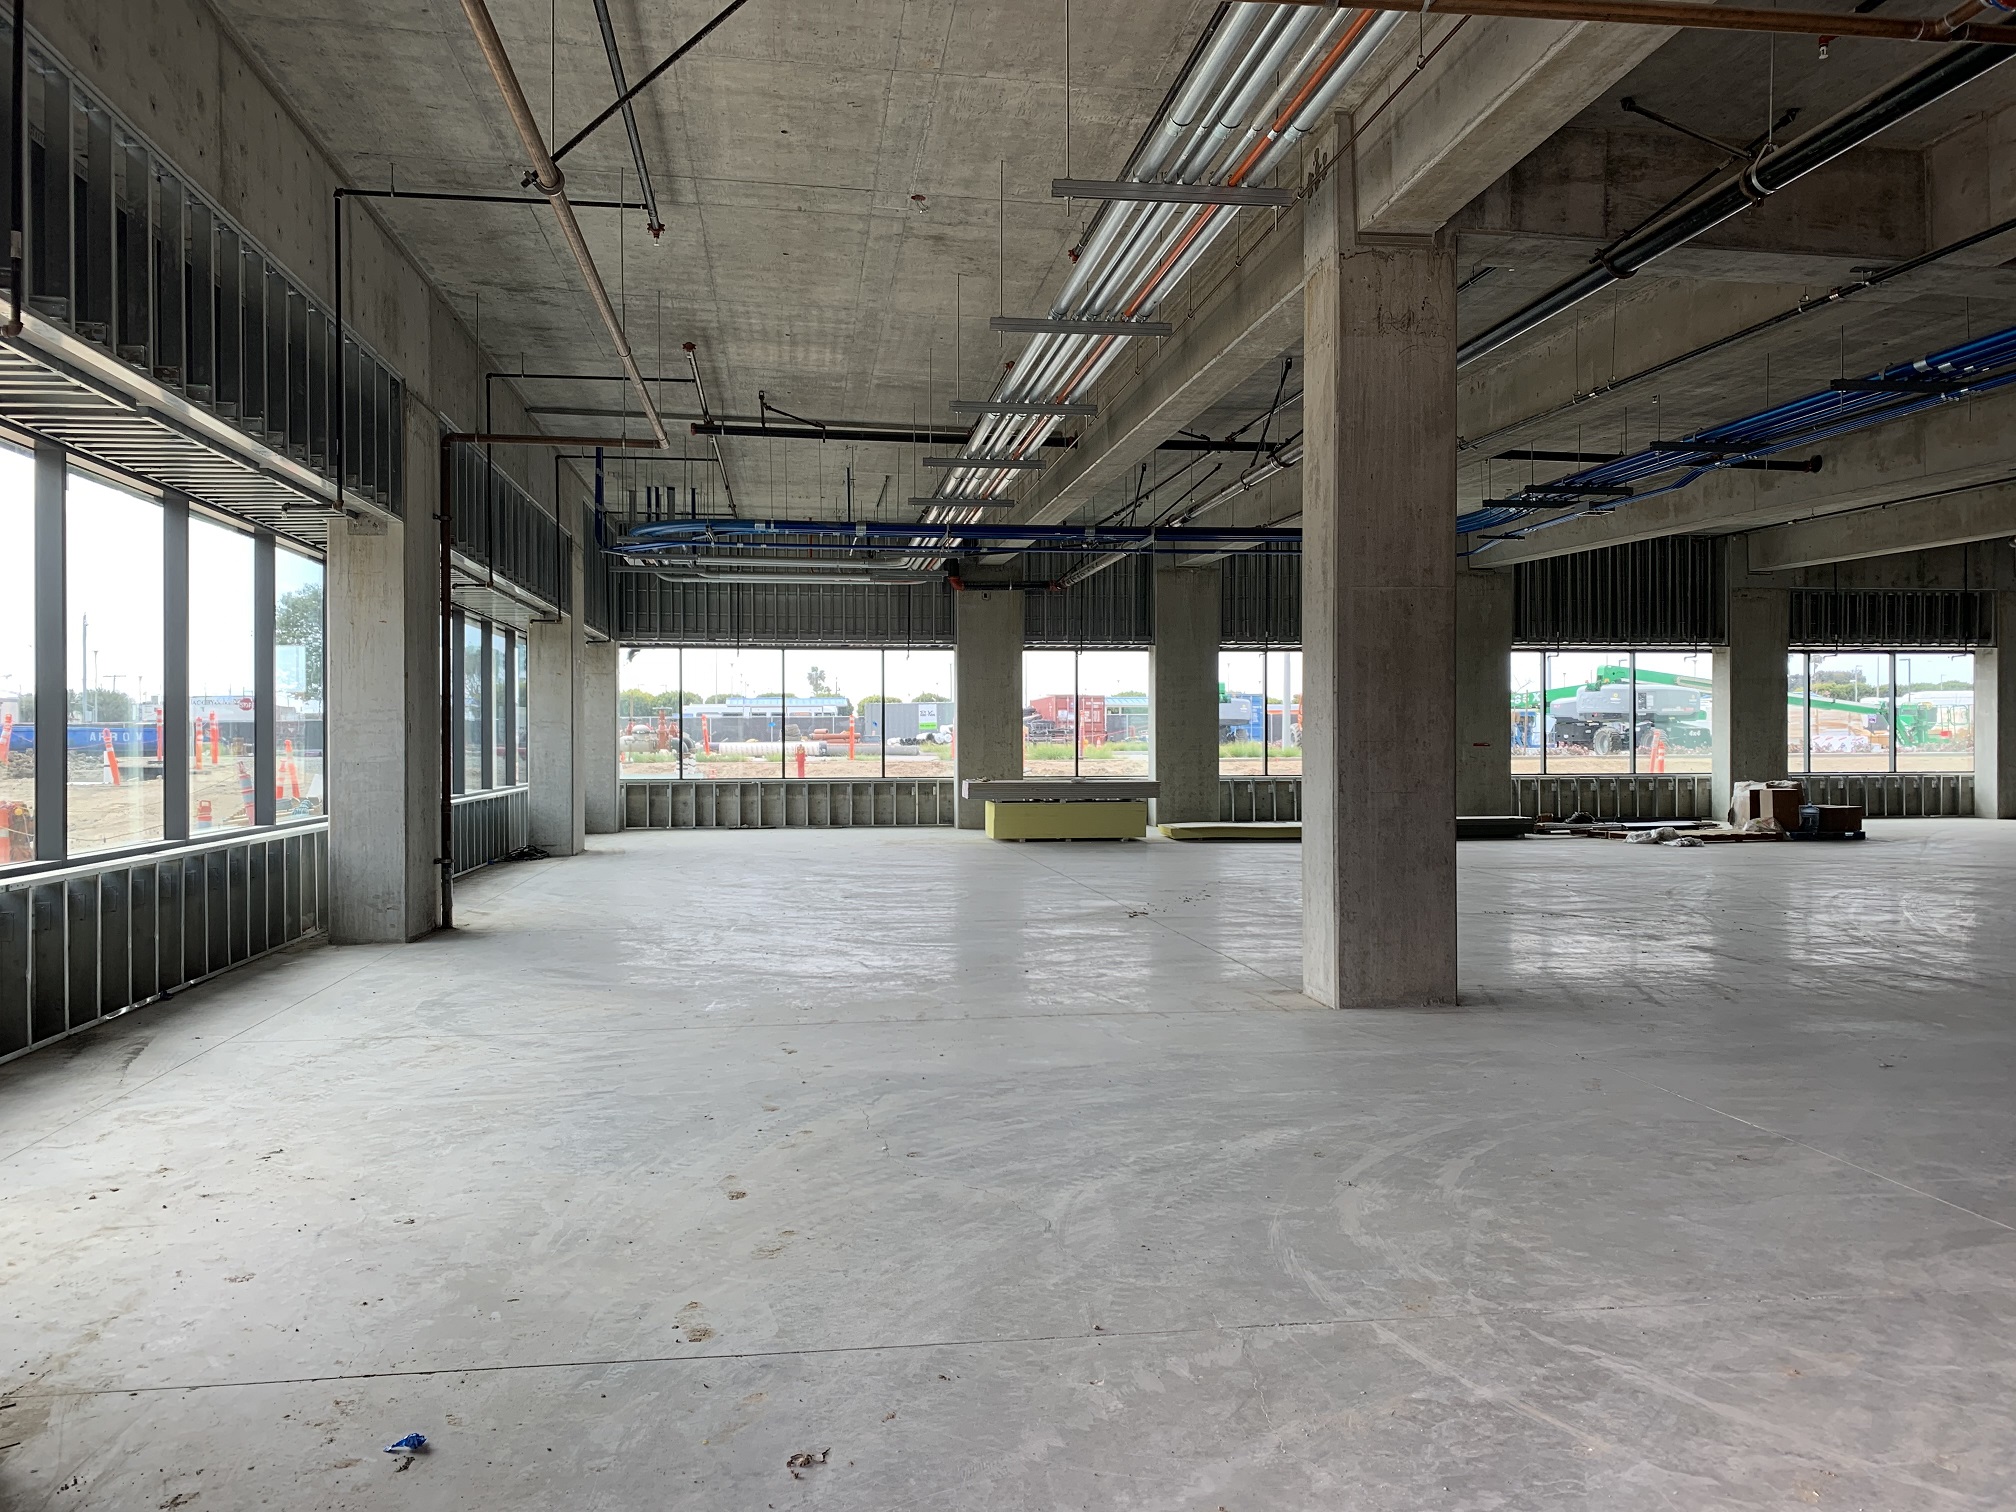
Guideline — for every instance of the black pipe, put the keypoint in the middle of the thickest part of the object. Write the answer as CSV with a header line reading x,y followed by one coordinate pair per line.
x,y
1757,328
1738,191
18,174
651,221
483,199
639,87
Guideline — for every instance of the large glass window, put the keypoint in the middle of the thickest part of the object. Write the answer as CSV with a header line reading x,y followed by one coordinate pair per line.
x,y
223,722
1113,704
500,705
1935,712
473,678
823,731
1284,713
1589,711
1795,712
298,726
114,665
649,705
916,722
1528,712
1880,711
738,715
733,728
17,655
1848,714
1085,713
1675,710
1049,714
1242,714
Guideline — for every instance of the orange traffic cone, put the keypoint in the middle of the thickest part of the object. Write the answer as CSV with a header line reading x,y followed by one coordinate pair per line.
x,y
1658,750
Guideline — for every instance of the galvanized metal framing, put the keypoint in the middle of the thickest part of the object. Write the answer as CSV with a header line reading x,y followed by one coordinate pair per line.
x,y
1824,618
1259,601
502,531
1667,592
652,612
124,256
80,944
491,827
1114,608
1689,795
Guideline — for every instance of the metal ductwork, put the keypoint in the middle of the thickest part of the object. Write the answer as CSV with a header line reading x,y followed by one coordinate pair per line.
x,y
1771,171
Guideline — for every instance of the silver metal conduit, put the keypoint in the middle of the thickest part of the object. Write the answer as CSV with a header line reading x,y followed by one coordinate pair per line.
x,y
1134,255
548,179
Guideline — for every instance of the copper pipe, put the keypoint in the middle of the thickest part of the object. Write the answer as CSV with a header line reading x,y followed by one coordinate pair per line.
x,y
548,179
1956,26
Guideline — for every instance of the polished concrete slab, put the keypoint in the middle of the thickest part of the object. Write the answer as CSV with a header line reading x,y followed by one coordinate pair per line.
x,y
1023,1176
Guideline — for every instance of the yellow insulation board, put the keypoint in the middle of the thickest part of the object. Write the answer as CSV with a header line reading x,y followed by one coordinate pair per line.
x,y
1263,830
1103,820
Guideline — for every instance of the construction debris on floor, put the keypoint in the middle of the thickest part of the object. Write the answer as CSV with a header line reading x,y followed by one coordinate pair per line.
x,y
1757,811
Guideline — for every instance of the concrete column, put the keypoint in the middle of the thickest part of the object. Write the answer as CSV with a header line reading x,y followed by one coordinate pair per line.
x,y
597,738
1749,696
383,720
1995,717
1378,612
556,678
1483,692
1183,693
987,692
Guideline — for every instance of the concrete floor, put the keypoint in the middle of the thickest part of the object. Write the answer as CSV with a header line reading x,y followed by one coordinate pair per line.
x,y
1022,1177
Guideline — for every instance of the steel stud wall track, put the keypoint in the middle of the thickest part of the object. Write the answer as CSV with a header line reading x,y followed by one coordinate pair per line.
x,y
125,257
81,943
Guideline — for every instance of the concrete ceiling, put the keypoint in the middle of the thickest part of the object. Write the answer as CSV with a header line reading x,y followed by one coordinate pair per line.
x,y
841,184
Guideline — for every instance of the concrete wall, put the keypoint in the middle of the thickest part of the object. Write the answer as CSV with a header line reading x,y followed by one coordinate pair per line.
x,y
1995,718
1378,570
1483,673
597,738
987,689
1183,693
1749,692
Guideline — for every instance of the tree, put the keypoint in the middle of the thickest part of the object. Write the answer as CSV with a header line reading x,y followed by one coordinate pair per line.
x,y
873,698
817,681
106,705
297,621
930,698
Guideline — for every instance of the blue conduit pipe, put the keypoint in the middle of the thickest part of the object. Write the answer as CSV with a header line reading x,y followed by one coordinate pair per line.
x,y
1942,377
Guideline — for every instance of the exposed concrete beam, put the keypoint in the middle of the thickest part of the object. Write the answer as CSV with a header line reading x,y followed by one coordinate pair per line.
x,y
1588,186
1973,514
1936,453
1253,316
1487,99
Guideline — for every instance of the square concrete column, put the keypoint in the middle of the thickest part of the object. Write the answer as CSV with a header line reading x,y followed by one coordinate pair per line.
x,y
382,598
556,678
1995,718
1750,691
1378,612
1183,693
597,738
1483,692
987,692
